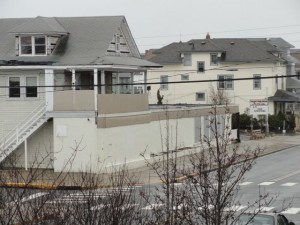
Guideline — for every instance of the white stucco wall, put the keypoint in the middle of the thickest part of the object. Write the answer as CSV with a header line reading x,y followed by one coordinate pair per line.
x,y
75,142
120,144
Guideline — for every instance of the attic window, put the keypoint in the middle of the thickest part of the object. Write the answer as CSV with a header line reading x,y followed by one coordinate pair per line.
x,y
117,42
32,45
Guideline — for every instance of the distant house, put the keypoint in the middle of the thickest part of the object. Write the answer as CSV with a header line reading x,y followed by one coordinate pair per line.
x,y
244,69
67,87
295,53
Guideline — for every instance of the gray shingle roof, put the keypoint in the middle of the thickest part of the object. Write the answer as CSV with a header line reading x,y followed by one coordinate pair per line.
x,y
41,25
85,40
280,43
284,96
235,49
292,83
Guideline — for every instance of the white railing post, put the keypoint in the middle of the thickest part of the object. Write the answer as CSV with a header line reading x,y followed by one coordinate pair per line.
x,y
95,89
25,154
13,138
49,82
17,134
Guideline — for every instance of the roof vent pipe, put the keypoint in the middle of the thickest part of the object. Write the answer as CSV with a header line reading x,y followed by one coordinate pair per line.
x,y
193,45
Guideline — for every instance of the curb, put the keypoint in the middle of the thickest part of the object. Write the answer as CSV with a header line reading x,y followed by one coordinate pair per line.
x,y
182,178
42,186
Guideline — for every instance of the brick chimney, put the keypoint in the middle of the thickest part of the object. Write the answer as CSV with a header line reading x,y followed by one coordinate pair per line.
x,y
207,35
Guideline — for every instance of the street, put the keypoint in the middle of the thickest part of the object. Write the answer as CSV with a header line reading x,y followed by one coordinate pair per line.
x,y
277,174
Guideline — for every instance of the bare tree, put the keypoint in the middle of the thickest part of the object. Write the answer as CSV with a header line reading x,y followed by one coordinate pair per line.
x,y
107,197
167,201
24,193
209,193
41,196
216,171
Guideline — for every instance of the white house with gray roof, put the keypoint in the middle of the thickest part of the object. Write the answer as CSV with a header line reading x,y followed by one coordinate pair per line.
x,y
245,69
67,93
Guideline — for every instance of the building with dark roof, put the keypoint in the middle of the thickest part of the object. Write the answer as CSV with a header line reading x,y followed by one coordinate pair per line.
x,y
243,68
67,96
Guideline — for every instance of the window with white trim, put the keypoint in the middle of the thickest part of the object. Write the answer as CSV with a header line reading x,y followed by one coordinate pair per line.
x,y
225,82
31,87
185,77
187,59
256,82
164,82
32,45
200,67
23,86
213,59
200,96
14,87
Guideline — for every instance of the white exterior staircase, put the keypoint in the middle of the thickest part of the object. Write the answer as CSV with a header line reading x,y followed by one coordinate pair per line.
x,y
22,131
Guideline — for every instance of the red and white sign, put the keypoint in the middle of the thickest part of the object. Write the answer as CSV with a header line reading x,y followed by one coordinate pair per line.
x,y
259,107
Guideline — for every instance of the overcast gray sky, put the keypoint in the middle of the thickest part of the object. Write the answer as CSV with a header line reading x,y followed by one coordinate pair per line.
x,y
155,23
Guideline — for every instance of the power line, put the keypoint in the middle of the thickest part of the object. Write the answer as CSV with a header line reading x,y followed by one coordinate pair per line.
x,y
132,84
226,31
150,83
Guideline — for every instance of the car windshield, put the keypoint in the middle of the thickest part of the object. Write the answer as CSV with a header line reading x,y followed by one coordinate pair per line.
x,y
256,220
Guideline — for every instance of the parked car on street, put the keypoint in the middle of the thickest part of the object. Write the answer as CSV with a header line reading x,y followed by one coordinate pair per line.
x,y
263,219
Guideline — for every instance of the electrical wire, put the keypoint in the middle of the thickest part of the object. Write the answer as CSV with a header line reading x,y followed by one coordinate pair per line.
x,y
143,83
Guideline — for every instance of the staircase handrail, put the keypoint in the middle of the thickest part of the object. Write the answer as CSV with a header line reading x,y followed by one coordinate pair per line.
x,y
18,130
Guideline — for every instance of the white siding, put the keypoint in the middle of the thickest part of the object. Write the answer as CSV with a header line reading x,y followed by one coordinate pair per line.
x,y
13,111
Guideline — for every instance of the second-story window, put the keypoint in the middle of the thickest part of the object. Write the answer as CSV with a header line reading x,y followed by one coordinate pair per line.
x,y
14,87
187,59
31,87
201,68
164,83
256,81
213,59
225,82
32,45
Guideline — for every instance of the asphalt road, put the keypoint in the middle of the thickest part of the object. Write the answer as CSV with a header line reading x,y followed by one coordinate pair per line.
x,y
277,174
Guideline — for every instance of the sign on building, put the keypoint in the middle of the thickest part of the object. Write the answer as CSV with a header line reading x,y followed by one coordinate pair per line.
x,y
259,107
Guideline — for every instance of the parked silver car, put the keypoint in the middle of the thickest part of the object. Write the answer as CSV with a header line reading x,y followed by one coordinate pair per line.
x,y
263,219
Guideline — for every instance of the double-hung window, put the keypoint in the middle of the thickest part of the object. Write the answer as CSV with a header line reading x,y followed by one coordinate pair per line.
x,y
256,82
187,59
200,66
31,87
23,86
14,87
32,45
164,82
213,59
225,82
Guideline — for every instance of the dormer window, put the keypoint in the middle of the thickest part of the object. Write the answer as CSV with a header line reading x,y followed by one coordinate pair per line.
x,y
32,45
